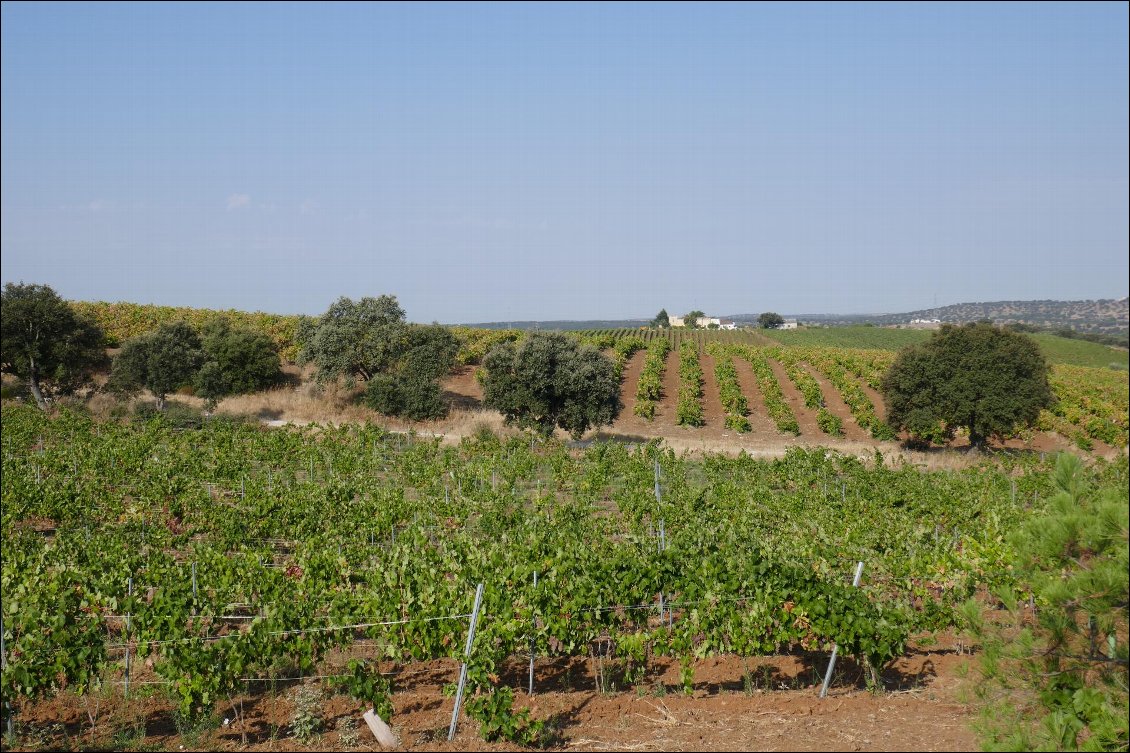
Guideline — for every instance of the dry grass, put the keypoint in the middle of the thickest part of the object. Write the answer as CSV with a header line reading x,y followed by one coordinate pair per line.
x,y
336,404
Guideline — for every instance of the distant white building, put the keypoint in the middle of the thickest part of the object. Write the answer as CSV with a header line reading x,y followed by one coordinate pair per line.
x,y
727,324
702,322
789,324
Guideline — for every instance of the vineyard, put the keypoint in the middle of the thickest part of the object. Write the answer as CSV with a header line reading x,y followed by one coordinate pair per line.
x,y
870,338
1092,403
203,561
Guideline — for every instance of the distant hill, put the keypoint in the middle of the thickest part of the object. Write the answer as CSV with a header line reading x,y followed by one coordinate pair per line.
x,y
1106,316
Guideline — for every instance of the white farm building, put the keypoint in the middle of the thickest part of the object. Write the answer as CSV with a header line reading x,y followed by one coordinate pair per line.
x,y
704,322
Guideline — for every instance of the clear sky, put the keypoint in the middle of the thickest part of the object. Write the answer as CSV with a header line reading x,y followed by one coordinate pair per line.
x,y
548,161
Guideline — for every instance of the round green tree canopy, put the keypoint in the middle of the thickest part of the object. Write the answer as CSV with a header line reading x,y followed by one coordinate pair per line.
x,y
551,380
979,377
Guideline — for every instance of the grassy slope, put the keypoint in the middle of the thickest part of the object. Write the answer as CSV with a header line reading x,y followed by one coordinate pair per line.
x,y
1057,349
879,338
1081,352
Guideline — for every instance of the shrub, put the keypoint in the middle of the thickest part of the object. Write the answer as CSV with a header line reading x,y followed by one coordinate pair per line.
x,y
550,380
396,395
161,361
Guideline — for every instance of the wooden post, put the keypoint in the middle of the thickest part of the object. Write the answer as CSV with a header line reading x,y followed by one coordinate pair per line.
x,y
533,642
129,592
4,667
836,647
466,661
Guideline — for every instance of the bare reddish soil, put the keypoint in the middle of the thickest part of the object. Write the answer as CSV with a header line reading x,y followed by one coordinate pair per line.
x,y
835,404
805,417
665,414
758,416
872,395
767,703
712,410
630,377
462,389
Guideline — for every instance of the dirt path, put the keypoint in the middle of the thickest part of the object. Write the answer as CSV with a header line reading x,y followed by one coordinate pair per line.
x,y
805,417
834,402
666,413
461,388
630,380
875,398
712,409
628,423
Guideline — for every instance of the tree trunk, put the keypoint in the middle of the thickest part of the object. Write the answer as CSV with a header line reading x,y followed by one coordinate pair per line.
x,y
33,385
160,402
976,441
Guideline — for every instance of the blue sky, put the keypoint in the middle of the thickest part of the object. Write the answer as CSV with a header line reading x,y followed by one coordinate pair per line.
x,y
496,162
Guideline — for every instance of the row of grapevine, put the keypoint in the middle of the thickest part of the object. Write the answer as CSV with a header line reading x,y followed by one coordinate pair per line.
x,y
123,321
649,390
623,349
676,336
771,393
832,364
689,412
868,365
790,360
730,391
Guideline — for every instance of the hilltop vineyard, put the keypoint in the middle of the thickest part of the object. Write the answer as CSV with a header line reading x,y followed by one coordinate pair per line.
x,y
1092,402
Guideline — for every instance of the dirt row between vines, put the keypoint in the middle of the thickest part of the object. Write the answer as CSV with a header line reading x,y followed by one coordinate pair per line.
x,y
764,439
760,703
